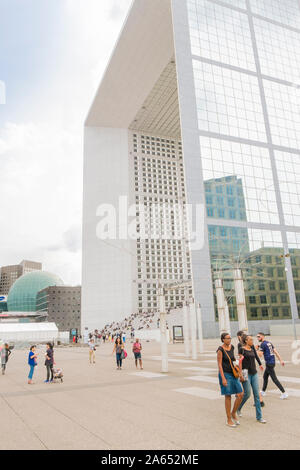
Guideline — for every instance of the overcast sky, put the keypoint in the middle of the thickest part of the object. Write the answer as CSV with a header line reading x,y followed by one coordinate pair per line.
x,y
52,56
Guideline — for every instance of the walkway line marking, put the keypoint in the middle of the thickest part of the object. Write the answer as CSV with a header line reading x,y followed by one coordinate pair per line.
x,y
208,370
200,392
147,375
292,380
180,361
292,392
203,378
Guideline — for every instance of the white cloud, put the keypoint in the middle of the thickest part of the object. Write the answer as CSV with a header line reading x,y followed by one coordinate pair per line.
x,y
41,160
41,189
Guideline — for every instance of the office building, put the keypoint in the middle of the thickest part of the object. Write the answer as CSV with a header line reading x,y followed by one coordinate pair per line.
x,y
196,91
9,274
62,305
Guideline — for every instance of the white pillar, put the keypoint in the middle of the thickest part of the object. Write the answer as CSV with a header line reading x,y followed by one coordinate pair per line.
x,y
221,305
227,318
200,330
186,333
240,300
193,323
163,332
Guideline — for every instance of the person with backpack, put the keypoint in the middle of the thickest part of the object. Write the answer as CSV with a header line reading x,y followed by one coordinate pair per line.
x,y
267,350
119,350
49,361
136,349
32,362
248,356
229,375
5,353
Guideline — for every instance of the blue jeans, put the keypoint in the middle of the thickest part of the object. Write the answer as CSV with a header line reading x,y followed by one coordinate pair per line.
x,y
31,371
119,359
252,382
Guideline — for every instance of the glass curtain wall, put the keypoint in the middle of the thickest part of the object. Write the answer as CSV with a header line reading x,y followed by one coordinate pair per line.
x,y
246,64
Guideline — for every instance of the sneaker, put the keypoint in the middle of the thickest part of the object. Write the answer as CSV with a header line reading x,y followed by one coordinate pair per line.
x,y
239,413
46,381
284,396
263,393
262,421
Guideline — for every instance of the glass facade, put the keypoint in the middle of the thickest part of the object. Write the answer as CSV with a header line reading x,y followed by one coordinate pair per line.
x,y
22,296
246,65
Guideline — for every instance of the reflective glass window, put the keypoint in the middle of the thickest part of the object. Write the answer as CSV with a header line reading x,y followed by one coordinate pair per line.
x,y
228,102
288,169
283,11
253,250
283,103
220,34
242,172
279,50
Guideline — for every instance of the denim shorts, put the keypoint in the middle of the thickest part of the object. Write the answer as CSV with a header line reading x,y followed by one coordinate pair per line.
x,y
233,385
137,355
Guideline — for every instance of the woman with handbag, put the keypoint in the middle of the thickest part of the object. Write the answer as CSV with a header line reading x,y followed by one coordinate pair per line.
x,y
229,375
118,349
250,375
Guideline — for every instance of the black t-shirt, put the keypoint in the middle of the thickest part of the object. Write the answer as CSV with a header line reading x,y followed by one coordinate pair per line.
x,y
225,361
49,361
249,360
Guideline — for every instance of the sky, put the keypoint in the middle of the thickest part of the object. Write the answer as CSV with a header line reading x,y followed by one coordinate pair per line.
x,y
53,54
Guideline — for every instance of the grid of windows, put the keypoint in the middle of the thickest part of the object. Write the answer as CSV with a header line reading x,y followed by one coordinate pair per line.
x,y
288,169
249,178
279,51
259,238
283,107
159,182
260,255
220,33
235,3
238,178
283,11
228,102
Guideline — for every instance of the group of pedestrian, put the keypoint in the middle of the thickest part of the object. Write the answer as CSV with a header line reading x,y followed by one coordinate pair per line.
x,y
119,350
238,379
49,362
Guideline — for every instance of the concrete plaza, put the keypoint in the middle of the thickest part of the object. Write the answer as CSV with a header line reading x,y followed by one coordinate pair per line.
x,y
98,407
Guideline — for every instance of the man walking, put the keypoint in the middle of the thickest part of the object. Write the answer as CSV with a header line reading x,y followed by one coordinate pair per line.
x,y
267,349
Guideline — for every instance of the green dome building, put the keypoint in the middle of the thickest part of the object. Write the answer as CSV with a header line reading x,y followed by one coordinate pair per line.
x,y
22,294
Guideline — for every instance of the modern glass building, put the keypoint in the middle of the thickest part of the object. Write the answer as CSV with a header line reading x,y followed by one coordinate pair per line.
x,y
199,105
22,296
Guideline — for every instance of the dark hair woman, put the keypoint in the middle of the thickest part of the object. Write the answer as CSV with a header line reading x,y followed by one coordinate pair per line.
x,y
118,348
32,362
229,384
250,375
49,361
